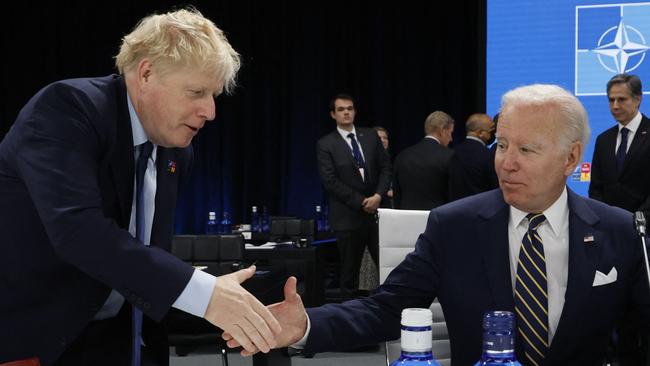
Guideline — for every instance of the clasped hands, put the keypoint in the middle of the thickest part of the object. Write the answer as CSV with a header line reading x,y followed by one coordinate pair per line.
x,y
246,322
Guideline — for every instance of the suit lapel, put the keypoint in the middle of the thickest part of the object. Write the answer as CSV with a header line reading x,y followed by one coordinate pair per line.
x,y
122,163
640,138
609,157
583,258
495,251
343,146
366,148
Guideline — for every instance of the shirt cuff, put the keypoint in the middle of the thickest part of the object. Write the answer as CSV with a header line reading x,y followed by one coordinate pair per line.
x,y
303,341
196,296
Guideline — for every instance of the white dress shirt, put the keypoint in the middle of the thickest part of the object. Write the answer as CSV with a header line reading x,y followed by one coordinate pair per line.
x,y
348,140
632,126
195,297
555,237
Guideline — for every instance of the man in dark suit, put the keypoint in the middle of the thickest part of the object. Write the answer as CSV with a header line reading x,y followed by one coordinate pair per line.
x,y
84,264
472,169
620,177
421,174
355,171
567,266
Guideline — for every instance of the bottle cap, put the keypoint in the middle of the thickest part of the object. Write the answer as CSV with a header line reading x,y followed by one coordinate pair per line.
x,y
415,317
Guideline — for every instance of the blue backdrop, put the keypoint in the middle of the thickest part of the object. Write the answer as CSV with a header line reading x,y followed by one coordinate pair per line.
x,y
576,44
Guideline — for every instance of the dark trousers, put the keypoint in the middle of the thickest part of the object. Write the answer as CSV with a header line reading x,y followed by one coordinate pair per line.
x,y
351,245
108,343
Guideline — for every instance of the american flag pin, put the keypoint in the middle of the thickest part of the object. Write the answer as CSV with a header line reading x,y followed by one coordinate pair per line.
x,y
171,166
588,239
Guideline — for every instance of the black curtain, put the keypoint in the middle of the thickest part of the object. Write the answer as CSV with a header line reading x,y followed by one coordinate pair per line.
x,y
400,61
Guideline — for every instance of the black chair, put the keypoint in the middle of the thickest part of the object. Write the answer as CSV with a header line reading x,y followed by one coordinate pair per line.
x,y
299,232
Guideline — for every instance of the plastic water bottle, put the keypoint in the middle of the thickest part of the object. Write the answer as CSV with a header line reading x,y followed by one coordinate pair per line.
x,y
211,227
320,219
498,339
226,224
416,339
264,222
255,221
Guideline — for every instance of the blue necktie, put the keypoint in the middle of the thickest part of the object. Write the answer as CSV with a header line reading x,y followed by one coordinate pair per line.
x,y
622,149
356,152
531,297
141,167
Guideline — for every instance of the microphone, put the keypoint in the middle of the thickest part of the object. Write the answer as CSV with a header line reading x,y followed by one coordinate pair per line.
x,y
639,223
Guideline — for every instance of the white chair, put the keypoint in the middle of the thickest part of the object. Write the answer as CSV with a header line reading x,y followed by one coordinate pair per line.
x,y
398,232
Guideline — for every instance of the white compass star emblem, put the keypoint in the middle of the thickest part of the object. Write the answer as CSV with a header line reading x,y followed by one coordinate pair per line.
x,y
622,48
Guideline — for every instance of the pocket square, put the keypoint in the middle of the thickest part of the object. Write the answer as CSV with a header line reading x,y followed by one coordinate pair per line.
x,y
604,279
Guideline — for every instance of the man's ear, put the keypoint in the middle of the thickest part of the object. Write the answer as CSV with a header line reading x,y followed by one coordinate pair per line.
x,y
573,156
144,70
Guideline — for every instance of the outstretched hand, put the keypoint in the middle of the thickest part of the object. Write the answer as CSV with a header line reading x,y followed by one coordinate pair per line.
x,y
240,314
291,315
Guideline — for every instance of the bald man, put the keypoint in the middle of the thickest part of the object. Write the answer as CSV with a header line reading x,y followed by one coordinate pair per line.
x,y
472,168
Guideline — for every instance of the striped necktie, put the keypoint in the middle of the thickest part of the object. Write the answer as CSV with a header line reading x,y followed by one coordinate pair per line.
x,y
531,299
136,314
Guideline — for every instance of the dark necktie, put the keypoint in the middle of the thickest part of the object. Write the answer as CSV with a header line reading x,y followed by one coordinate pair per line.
x,y
531,298
622,150
141,167
356,152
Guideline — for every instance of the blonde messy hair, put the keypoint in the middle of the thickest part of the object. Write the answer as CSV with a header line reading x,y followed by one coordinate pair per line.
x,y
180,38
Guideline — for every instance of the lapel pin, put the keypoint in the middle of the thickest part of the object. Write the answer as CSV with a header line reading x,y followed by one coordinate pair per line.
x,y
171,166
588,239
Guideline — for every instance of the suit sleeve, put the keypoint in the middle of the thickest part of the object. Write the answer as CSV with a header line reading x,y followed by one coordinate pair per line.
x,y
58,160
596,184
331,181
414,283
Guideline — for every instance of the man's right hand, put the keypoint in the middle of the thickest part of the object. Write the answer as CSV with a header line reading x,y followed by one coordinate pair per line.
x,y
290,313
240,314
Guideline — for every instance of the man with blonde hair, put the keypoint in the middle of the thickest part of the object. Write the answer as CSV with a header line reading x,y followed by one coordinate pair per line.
x,y
87,206
567,266
421,173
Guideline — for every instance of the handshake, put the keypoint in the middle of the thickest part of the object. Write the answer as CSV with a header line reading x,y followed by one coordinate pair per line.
x,y
246,322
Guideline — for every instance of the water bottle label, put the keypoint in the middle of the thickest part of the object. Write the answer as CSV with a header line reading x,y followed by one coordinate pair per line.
x,y
419,341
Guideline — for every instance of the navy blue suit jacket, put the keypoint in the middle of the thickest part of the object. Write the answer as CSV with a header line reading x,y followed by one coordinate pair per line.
x,y
631,188
471,171
66,188
463,259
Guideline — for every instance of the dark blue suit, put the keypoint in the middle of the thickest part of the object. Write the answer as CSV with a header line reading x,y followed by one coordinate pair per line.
x,y
463,259
66,188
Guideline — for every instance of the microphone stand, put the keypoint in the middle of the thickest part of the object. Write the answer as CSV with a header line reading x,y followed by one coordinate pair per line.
x,y
639,220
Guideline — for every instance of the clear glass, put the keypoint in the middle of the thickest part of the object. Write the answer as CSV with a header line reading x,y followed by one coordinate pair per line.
x,y
211,228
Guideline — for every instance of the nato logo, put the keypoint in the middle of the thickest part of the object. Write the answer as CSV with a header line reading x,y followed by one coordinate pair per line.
x,y
611,39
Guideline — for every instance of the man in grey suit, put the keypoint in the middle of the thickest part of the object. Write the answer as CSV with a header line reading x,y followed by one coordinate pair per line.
x,y
355,170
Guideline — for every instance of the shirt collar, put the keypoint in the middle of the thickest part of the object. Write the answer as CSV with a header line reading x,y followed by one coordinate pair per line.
x,y
345,133
475,139
633,125
555,215
139,136
433,137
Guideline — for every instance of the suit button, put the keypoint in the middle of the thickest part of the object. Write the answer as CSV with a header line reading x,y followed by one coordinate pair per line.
x,y
146,306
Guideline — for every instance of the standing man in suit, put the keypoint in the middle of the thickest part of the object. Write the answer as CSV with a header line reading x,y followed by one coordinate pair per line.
x,y
472,168
421,174
620,177
355,170
84,264
567,266
619,168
